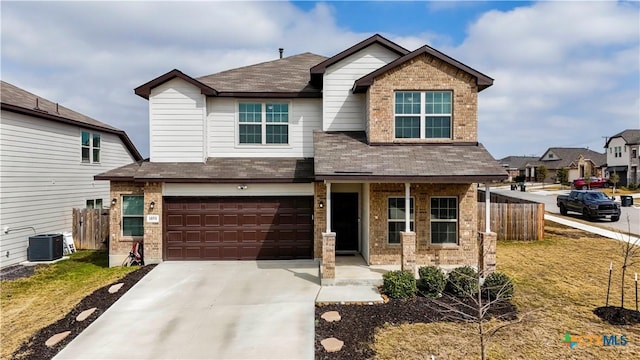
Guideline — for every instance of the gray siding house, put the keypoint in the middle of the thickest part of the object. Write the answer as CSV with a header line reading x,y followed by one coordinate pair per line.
x,y
48,157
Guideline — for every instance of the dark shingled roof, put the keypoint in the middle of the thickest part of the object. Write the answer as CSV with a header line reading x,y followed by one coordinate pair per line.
x,y
217,170
517,162
347,156
21,101
630,136
287,75
566,156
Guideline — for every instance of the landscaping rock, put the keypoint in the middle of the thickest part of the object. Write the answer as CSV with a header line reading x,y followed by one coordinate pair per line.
x,y
114,288
332,344
52,341
331,316
85,314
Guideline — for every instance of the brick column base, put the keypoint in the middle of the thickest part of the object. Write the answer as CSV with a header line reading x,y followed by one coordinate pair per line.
x,y
328,265
487,252
408,241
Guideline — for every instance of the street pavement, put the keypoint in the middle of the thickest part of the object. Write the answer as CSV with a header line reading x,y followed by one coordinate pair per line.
x,y
629,220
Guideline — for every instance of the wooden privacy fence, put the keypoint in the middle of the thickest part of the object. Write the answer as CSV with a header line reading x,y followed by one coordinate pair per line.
x,y
90,228
512,218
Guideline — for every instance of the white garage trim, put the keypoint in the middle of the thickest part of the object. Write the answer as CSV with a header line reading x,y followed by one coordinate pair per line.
x,y
239,189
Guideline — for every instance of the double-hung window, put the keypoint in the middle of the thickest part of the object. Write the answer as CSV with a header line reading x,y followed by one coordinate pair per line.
x,y
90,144
94,204
444,220
133,215
396,218
263,123
423,115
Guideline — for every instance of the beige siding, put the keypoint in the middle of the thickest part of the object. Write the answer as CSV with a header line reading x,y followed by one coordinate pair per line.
x,y
222,124
343,110
42,178
177,125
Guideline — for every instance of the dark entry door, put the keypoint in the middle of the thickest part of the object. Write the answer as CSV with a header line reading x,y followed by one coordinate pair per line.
x,y
344,220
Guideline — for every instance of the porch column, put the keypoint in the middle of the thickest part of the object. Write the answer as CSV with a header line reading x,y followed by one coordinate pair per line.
x,y
487,210
328,265
408,237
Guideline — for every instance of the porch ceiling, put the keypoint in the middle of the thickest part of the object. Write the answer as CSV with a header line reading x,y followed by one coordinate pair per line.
x,y
347,156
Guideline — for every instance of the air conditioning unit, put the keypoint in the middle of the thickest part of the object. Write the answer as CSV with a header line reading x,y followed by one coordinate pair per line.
x,y
46,247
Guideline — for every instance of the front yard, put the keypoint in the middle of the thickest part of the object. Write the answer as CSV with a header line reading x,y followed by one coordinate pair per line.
x,y
564,278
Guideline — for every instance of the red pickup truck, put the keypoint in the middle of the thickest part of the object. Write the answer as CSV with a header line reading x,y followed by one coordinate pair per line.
x,y
595,183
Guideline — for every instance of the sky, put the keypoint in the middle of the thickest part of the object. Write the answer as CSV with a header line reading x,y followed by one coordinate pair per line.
x,y
567,74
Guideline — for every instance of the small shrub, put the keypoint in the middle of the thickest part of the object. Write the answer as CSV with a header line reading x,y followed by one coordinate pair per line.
x,y
462,282
399,284
432,281
497,286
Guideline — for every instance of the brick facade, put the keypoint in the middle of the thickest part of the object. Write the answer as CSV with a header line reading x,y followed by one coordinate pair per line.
x,y
119,246
465,253
319,217
153,231
422,73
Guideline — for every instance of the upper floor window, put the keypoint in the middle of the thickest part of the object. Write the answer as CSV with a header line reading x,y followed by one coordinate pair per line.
x,y
263,123
90,147
634,153
617,151
423,115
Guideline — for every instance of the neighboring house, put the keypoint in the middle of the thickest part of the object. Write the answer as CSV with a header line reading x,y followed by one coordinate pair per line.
x,y
48,157
306,156
516,165
622,156
578,162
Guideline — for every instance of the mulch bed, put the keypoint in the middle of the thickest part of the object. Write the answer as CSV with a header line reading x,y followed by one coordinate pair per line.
x,y
17,271
359,322
35,349
615,315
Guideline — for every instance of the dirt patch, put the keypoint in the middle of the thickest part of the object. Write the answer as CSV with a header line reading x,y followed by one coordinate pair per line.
x,y
101,299
615,315
359,322
17,272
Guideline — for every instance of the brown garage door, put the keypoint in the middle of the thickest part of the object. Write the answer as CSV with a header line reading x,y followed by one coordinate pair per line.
x,y
238,228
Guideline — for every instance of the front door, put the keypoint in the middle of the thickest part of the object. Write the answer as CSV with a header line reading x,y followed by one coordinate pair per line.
x,y
344,220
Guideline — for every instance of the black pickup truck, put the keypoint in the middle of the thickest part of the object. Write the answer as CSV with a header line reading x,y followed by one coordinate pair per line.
x,y
591,204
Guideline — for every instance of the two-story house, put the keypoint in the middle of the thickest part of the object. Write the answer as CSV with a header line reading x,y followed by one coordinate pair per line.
x,y
579,162
49,155
623,151
373,151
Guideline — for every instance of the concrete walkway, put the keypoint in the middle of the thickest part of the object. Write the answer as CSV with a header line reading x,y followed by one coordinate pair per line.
x,y
209,310
593,229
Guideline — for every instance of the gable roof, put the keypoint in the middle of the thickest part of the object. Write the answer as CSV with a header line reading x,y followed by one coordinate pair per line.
x,y
347,156
318,70
517,162
483,81
630,136
20,101
567,156
286,77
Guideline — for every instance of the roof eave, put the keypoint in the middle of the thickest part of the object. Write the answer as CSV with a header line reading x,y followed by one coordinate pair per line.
x,y
271,95
144,90
47,116
436,179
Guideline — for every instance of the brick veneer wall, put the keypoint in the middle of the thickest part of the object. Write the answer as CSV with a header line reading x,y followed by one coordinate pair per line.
x,y
319,218
153,231
422,73
119,246
465,253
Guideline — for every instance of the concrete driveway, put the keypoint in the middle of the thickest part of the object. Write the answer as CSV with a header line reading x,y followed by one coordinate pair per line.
x,y
209,310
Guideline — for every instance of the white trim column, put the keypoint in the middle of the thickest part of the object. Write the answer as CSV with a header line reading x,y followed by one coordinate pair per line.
x,y
487,209
328,207
407,207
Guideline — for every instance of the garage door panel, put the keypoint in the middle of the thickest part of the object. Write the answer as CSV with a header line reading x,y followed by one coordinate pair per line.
x,y
238,228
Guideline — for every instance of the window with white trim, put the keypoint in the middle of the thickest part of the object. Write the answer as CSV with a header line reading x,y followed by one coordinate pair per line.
x,y
396,218
90,144
133,215
94,204
617,150
423,115
444,220
263,123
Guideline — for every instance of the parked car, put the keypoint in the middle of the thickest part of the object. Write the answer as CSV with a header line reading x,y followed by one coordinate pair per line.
x,y
591,204
595,183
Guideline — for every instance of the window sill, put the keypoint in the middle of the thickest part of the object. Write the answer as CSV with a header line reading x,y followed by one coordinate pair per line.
x,y
444,246
130,238
262,146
